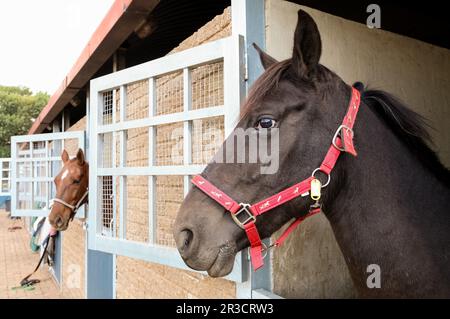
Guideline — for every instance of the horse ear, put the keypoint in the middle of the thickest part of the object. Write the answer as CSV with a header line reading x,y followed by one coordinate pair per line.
x,y
307,45
65,156
266,60
80,156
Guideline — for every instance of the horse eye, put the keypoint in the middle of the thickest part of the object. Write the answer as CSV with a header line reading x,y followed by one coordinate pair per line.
x,y
266,122
76,181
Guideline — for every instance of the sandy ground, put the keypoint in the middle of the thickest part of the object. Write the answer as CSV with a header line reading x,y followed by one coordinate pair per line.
x,y
17,260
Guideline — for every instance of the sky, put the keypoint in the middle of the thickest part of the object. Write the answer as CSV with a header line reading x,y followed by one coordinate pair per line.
x,y
40,40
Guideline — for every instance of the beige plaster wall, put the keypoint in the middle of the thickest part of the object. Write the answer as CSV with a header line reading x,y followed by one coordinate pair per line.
x,y
310,264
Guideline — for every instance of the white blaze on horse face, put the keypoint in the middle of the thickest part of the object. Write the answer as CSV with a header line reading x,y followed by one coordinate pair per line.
x,y
65,174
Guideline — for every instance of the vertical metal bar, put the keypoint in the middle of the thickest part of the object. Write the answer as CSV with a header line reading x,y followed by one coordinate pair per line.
x,y
49,171
99,271
63,128
59,253
113,107
249,25
234,82
123,103
56,147
152,222
81,213
95,107
32,165
13,176
47,174
114,206
113,230
113,137
122,202
88,118
187,126
122,163
187,92
86,223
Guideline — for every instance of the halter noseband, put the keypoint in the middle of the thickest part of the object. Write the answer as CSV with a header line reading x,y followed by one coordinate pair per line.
x,y
73,208
342,142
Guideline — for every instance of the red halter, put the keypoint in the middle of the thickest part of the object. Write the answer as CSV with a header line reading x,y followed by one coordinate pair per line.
x,y
342,142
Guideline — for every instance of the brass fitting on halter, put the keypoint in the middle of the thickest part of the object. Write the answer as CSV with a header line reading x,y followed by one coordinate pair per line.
x,y
316,190
245,209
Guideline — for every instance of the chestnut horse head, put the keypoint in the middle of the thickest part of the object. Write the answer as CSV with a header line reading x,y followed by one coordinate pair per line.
x,y
72,184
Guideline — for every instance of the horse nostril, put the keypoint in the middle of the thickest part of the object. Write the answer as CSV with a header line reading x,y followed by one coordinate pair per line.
x,y
184,240
59,222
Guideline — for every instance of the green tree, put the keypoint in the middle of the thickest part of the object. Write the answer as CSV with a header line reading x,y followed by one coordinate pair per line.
x,y
18,109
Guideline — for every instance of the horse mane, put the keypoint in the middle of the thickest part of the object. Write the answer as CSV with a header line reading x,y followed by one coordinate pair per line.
x,y
409,126
268,80
406,124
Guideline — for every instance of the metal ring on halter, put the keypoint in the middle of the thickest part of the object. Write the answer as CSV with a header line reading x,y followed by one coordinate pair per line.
x,y
329,176
245,208
338,131
264,250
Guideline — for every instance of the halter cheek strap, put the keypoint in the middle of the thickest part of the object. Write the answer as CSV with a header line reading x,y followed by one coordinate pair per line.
x,y
244,215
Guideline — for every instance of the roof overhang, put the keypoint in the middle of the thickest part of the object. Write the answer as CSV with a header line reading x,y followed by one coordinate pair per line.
x,y
122,19
426,21
423,22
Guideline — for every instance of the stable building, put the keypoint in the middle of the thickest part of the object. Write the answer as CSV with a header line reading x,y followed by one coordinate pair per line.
x,y
150,100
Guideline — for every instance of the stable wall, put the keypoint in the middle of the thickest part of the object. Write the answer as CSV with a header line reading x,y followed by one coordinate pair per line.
x,y
310,264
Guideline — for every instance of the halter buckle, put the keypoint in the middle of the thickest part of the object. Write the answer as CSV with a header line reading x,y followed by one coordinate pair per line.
x,y
249,216
339,133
